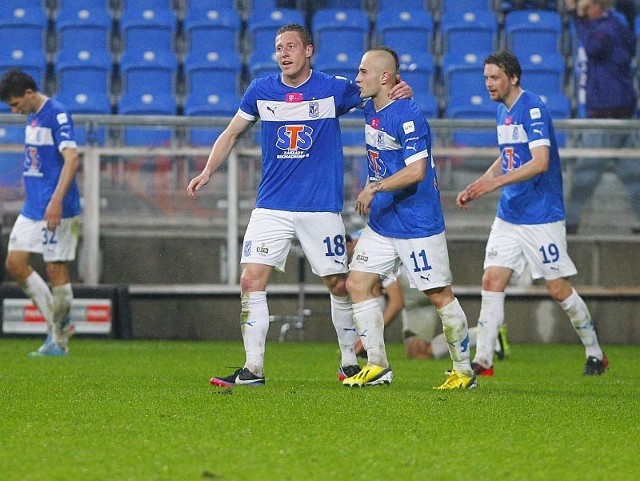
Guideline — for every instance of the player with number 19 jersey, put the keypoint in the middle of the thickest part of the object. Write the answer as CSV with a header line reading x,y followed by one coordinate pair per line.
x,y
48,132
396,136
525,125
303,165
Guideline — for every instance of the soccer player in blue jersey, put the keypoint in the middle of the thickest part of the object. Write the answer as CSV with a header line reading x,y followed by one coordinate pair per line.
x,y
529,228
300,194
48,223
405,226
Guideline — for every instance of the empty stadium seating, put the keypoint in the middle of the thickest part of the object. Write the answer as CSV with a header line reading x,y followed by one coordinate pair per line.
x,y
406,30
340,30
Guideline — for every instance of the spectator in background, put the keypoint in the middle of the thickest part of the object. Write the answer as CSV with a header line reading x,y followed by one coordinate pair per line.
x,y
610,48
48,223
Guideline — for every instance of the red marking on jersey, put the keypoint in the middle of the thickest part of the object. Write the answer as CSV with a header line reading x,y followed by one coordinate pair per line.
x,y
293,97
507,121
375,123
292,132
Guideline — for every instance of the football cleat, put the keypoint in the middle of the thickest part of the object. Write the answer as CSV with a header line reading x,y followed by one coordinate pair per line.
x,y
480,370
49,349
242,377
457,380
370,375
595,366
502,347
347,371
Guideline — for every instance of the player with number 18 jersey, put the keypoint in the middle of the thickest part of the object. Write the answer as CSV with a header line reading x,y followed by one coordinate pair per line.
x,y
303,165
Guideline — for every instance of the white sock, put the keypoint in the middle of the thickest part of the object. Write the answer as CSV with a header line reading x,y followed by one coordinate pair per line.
x,y
489,322
342,318
578,313
456,332
254,323
62,297
370,323
38,291
440,348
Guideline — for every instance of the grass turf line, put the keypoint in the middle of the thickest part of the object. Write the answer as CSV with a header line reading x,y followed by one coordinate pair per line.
x,y
143,410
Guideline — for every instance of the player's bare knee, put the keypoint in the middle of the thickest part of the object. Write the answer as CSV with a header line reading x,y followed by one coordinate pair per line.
x,y
337,284
417,348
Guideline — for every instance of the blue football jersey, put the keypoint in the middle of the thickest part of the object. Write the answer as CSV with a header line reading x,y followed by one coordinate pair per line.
x,y
48,132
538,200
302,161
396,136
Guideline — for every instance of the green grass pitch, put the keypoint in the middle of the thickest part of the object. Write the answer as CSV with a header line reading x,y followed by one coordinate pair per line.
x,y
144,410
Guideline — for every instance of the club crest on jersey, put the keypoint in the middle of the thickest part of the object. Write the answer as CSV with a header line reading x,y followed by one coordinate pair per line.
x,y
246,249
314,110
514,134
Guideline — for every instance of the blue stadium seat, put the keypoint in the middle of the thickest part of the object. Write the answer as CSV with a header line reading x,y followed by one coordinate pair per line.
x,y
148,28
11,133
209,104
345,4
11,170
263,63
386,5
208,5
149,69
451,5
343,64
417,69
87,102
84,83
428,103
532,31
23,26
472,107
80,4
141,4
340,30
406,30
220,70
31,61
462,74
263,24
469,31
559,107
160,103
543,73
206,28
81,28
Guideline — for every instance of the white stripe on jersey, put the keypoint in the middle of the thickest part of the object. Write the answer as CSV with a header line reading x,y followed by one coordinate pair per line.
x,y
380,140
274,111
38,136
512,134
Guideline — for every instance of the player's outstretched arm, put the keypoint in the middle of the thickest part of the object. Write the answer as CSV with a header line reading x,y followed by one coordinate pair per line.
x,y
219,152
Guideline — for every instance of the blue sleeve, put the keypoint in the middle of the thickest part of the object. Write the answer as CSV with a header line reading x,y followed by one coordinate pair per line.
x,y
348,96
249,103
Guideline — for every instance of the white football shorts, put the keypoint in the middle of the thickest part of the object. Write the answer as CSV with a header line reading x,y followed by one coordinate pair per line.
x,y
543,247
321,235
29,235
425,260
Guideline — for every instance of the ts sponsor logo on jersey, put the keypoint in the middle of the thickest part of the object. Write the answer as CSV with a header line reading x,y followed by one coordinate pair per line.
x,y
377,169
535,113
294,140
31,166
